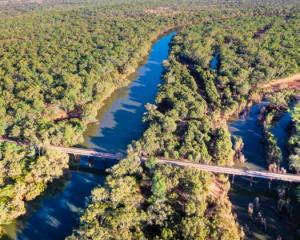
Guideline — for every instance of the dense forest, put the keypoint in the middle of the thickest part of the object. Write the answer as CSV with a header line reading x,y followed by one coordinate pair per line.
x,y
60,59
155,201
187,120
213,72
54,77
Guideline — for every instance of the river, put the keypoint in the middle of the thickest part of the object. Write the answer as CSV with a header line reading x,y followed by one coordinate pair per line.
x,y
55,213
241,193
280,130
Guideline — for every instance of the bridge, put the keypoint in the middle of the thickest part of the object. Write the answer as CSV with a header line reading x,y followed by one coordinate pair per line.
x,y
185,163
181,163
73,150
233,171
87,152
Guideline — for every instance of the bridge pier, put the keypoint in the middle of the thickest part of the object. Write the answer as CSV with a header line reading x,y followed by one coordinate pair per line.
x,y
91,161
269,183
75,157
251,181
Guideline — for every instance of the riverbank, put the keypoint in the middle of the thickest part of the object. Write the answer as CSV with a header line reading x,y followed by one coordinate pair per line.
x,y
130,73
244,191
109,89
62,209
69,68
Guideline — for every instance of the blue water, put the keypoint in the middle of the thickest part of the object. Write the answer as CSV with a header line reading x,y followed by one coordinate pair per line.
x,y
123,122
215,62
280,132
251,132
241,194
54,215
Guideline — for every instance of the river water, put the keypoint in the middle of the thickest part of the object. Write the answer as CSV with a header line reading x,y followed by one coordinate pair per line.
x,y
241,193
280,130
251,132
55,213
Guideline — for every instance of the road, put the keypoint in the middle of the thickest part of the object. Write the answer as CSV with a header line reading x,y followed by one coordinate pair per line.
x,y
185,163
290,82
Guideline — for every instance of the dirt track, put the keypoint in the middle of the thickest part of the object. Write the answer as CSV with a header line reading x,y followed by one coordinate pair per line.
x,y
291,82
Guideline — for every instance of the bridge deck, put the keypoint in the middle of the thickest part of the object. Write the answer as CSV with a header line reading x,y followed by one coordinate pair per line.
x,y
182,163
235,171
87,152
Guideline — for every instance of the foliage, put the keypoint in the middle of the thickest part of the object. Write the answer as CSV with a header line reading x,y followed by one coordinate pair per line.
x,y
273,152
183,207
294,140
23,176
58,65
168,202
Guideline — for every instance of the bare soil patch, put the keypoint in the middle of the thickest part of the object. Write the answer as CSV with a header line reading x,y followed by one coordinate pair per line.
x,y
291,82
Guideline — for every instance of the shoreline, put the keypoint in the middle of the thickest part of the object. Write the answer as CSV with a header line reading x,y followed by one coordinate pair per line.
x,y
126,78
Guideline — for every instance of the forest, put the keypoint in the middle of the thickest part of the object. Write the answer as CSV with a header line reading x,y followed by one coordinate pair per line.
x,y
213,73
59,62
54,78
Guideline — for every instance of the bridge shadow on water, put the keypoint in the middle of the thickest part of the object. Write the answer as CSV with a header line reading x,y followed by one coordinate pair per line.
x,y
242,193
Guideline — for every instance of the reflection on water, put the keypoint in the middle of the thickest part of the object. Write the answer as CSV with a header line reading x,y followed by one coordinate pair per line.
x,y
54,215
280,131
123,122
56,211
215,62
251,132
241,194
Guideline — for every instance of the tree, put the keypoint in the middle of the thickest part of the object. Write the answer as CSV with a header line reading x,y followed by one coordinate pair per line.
x,y
159,187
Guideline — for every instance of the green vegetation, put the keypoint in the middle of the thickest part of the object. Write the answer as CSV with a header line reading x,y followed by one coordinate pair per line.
x,y
282,99
268,116
55,76
245,61
179,124
273,152
155,201
23,176
57,66
187,121
280,103
294,141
